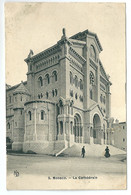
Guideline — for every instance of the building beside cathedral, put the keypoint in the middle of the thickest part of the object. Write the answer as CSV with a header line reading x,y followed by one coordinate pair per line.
x,y
65,100
120,135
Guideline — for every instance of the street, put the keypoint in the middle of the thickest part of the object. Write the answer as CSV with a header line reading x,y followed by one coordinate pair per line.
x,y
47,172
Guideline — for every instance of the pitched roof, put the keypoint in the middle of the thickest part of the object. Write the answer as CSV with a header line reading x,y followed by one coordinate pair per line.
x,y
82,35
21,89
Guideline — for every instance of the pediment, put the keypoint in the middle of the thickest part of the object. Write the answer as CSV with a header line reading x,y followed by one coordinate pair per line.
x,y
94,106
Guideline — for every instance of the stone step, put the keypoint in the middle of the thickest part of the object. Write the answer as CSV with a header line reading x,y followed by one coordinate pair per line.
x,y
91,150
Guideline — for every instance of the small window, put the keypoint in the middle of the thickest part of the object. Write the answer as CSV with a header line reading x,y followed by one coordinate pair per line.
x,y
92,78
81,84
16,124
21,112
123,127
71,93
47,78
81,98
91,95
71,78
56,92
47,95
29,115
61,127
76,96
53,93
41,95
41,81
42,115
123,139
76,81
21,98
101,98
55,76
15,99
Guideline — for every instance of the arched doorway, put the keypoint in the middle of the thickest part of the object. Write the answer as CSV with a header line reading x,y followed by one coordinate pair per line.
x,y
96,128
77,129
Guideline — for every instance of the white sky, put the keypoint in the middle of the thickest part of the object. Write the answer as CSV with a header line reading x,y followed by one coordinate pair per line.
x,y
38,26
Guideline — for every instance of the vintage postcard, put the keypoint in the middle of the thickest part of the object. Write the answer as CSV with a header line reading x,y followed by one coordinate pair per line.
x,y
65,96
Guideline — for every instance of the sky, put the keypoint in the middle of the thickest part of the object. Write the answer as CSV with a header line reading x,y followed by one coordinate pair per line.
x,y
38,26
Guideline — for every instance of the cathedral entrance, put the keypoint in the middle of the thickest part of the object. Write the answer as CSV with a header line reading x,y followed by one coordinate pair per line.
x,y
96,129
77,129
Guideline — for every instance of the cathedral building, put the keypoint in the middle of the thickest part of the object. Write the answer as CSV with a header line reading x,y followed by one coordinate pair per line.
x,y
65,100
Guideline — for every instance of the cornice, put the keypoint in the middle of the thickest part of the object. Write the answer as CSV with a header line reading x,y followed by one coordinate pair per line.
x,y
39,101
78,42
44,54
80,58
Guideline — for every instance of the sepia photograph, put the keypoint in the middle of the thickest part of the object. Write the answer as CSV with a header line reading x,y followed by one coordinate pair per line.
x,y
65,69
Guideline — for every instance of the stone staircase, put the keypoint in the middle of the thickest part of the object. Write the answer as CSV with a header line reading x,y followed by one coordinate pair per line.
x,y
91,150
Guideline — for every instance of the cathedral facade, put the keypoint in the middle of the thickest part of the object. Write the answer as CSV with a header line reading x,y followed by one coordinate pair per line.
x,y
65,100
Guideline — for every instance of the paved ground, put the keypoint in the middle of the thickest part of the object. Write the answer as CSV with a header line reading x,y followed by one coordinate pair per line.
x,y
69,171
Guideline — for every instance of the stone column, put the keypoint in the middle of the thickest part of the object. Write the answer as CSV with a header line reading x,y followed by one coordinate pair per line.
x,y
35,133
91,135
102,136
58,130
108,102
25,127
64,129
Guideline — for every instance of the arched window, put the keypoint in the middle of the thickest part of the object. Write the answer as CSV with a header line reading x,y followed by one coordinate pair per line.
x,y
76,81
101,98
71,93
71,78
41,81
42,114
56,92
92,78
53,93
76,96
81,84
61,127
54,74
47,78
29,113
91,94
47,95
93,52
